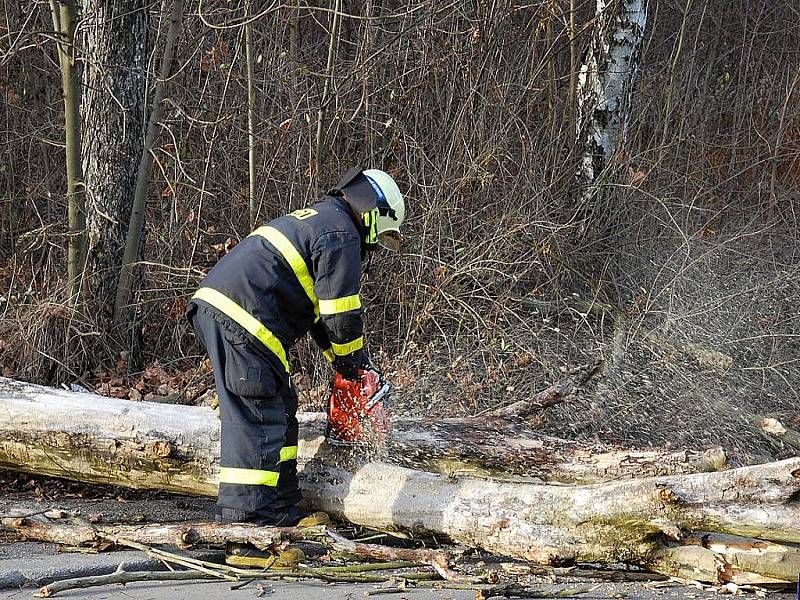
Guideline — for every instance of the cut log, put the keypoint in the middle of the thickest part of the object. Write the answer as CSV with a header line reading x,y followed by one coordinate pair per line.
x,y
636,521
623,521
104,440
176,448
698,556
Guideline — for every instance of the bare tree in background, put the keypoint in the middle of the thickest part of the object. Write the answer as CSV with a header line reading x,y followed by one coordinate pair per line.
x,y
333,42
115,84
605,84
64,14
467,105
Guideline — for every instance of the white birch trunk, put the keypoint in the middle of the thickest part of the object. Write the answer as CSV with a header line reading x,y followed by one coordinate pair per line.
x,y
605,84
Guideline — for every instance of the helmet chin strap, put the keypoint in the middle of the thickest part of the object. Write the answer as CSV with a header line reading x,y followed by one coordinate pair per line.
x,y
370,220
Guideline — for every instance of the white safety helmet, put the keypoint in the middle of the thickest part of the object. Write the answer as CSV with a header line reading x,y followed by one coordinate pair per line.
x,y
391,208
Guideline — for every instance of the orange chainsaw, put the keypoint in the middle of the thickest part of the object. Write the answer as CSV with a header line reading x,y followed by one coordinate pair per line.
x,y
358,410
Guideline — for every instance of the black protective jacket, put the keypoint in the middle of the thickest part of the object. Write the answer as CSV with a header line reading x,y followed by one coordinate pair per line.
x,y
299,273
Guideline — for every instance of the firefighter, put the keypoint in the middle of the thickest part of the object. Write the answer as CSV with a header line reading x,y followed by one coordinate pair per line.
x,y
300,273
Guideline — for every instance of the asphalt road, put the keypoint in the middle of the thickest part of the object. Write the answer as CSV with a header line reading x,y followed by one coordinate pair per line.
x,y
209,591
25,566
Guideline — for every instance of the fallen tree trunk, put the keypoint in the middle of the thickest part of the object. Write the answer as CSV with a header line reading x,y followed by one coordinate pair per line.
x,y
104,440
728,558
703,556
499,448
176,448
640,521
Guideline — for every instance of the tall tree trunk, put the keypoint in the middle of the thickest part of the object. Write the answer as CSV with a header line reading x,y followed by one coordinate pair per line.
x,y
133,237
65,16
115,85
605,84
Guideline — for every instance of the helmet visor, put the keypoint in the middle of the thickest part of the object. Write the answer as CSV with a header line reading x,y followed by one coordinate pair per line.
x,y
390,239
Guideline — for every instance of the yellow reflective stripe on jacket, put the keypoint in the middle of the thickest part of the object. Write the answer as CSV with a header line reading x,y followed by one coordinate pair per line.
x,y
349,347
292,256
288,453
248,476
329,355
339,305
225,305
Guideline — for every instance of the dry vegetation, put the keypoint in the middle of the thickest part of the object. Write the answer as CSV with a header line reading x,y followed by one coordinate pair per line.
x,y
683,276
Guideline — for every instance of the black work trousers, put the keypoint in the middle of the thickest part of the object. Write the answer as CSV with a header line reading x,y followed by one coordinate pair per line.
x,y
258,410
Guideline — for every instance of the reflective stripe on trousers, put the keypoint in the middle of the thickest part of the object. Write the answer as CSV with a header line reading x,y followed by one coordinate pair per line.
x,y
258,475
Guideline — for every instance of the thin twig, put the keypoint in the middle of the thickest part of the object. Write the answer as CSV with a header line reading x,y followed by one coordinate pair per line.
x,y
378,566
437,559
118,576
212,569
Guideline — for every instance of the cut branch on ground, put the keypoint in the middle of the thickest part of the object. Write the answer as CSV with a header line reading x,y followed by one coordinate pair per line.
x,y
187,535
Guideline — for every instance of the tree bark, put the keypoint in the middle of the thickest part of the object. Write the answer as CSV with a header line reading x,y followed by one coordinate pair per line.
x,y
648,521
115,85
642,521
707,557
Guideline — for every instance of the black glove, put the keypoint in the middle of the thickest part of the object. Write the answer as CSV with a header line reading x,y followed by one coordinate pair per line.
x,y
349,366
